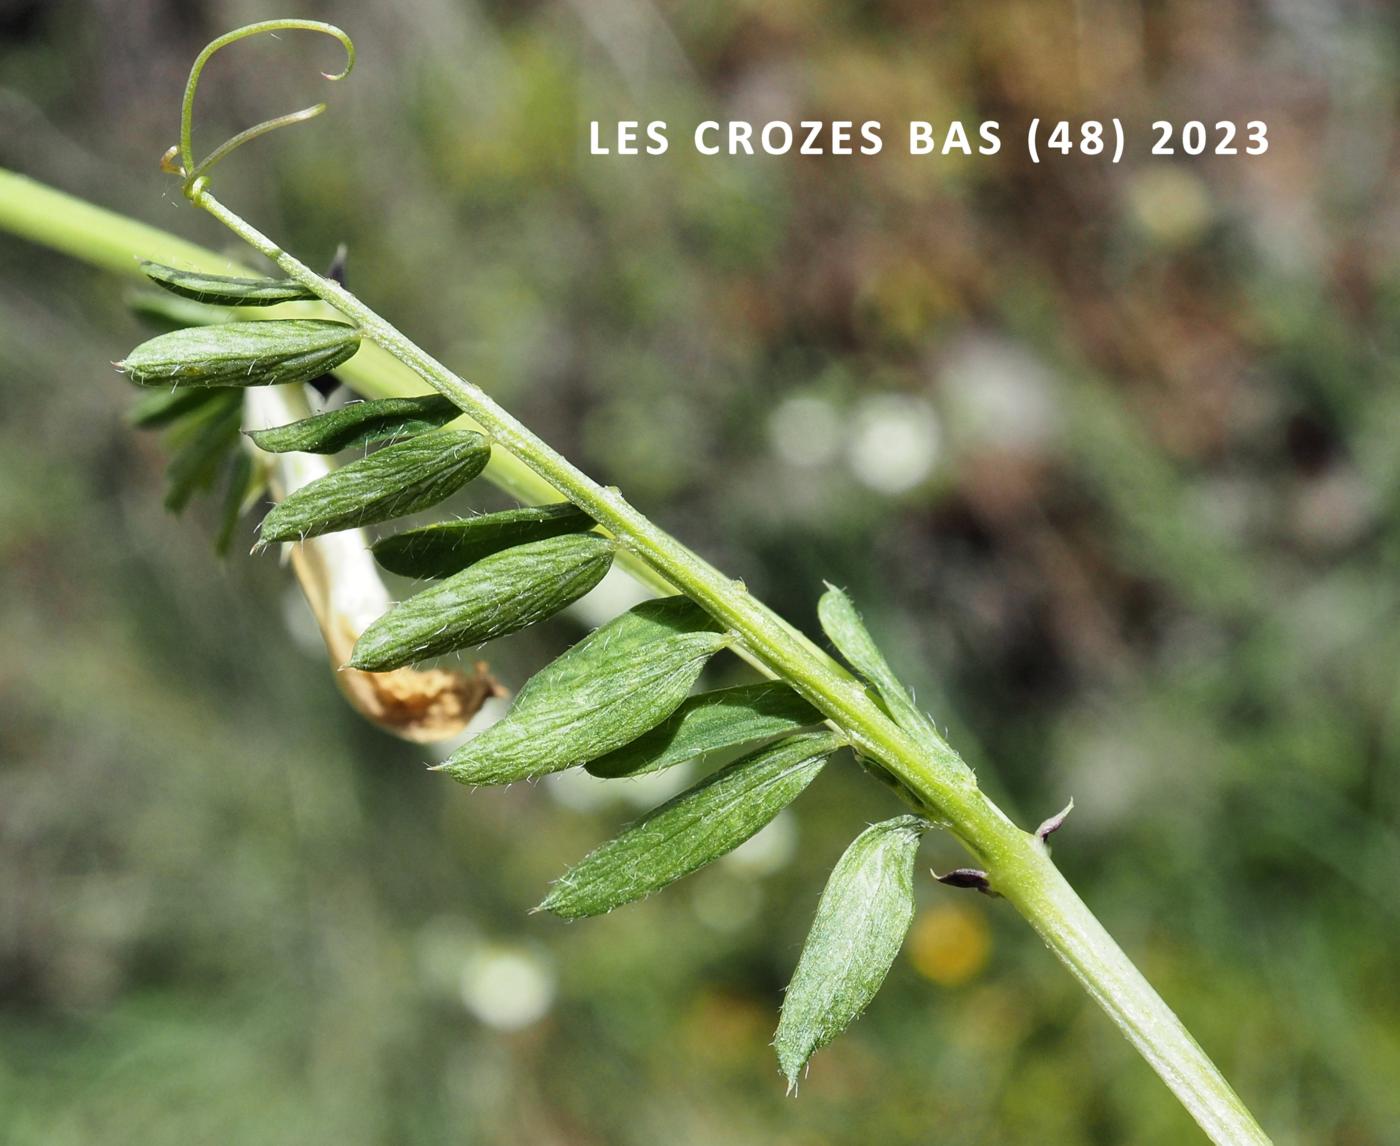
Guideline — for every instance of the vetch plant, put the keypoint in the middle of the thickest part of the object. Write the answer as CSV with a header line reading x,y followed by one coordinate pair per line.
x,y
620,702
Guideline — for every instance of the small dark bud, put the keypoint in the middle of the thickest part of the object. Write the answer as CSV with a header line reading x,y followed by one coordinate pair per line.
x,y
1052,825
966,877
327,384
336,271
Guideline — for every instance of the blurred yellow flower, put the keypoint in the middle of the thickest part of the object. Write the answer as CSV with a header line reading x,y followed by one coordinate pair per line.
x,y
949,944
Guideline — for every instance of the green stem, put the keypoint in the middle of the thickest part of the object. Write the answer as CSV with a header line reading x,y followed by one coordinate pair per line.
x,y
188,165
1017,863
116,243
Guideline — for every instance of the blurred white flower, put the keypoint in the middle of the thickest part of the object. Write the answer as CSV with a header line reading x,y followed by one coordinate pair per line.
x,y
507,988
895,442
997,394
805,431
1170,205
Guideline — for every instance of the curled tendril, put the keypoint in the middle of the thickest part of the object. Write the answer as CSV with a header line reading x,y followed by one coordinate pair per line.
x,y
193,171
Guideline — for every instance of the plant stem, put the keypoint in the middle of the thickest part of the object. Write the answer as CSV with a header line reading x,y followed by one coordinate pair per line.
x,y
1017,863
117,243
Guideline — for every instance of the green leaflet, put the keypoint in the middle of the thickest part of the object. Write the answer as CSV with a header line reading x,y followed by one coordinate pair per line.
x,y
709,722
500,594
394,481
444,548
166,312
861,921
242,353
222,290
621,680
848,633
358,424
687,832
203,440
161,407
244,482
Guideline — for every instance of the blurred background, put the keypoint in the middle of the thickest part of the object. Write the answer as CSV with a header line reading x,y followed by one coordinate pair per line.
x,y
1107,455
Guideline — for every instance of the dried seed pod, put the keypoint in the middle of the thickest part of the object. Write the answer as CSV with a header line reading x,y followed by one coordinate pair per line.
x,y
446,547
223,290
358,424
687,832
710,722
608,689
396,480
242,353
500,594
861,921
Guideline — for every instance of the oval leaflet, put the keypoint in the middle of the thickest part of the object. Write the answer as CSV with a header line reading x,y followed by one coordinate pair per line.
x,y
842,624
358,424
623,679
267,353
687,832
225,290
861,921
710,722
445,547
500,594
396,480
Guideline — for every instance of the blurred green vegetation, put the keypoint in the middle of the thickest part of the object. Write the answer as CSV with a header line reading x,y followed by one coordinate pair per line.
x,y
1107,455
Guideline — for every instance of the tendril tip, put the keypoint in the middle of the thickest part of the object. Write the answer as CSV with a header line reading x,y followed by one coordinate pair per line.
x,y
193,172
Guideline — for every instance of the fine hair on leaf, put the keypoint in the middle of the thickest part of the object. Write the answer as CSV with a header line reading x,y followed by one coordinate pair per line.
x,y
841,622
711,722
358,424
607,690
391,482
271,353
687,832
446,547
861,921
225,290
500,594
